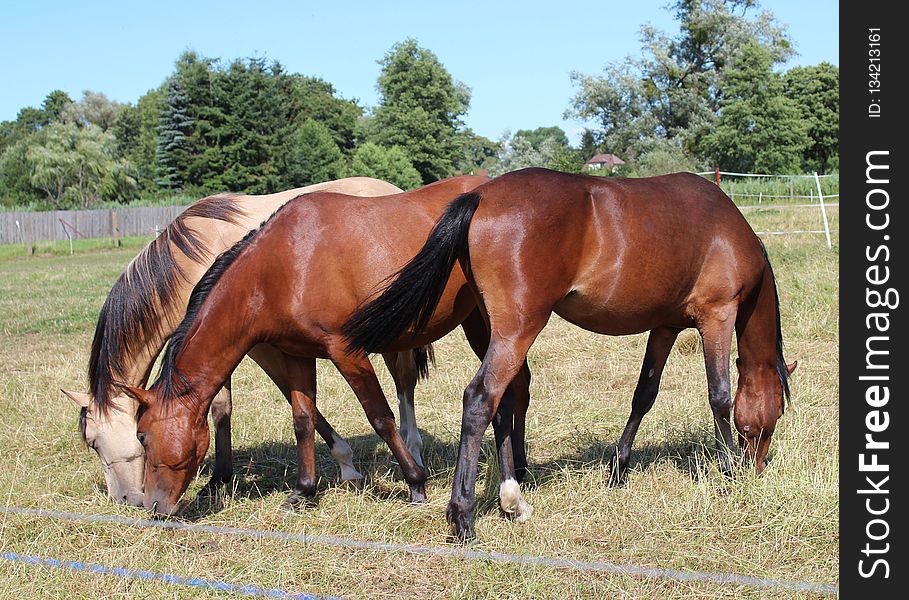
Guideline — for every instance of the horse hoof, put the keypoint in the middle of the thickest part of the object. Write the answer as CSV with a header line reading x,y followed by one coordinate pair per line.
x,y
462,530
512,503
417,495
521,514
356,484
295,503
618,477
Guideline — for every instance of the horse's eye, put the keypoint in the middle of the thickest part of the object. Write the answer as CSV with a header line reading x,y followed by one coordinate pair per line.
x,y
141,437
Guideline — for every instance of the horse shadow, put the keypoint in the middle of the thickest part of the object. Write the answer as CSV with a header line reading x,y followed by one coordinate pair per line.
x,y
270,468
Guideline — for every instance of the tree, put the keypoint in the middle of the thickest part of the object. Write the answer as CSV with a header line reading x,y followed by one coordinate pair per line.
x,y
77,166
516,152
419,109
476,152
314,157
815,91
540,134
314,98
15,179
673,89
174,129
54,104
251,128
389,164
759,129
665,157
136,132
588,146
93,109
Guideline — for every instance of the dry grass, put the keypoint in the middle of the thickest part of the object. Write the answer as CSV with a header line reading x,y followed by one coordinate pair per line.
x,y
676,512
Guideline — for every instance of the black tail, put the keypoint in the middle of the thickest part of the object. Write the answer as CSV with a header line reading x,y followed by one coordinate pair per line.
x,y
415,290
422,358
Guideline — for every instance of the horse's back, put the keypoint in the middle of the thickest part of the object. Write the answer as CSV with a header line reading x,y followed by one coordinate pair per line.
x,y
341,248
616,255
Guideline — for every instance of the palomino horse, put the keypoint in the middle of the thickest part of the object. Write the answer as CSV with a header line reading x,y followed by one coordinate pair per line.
x,y
614,256
334,250
149,300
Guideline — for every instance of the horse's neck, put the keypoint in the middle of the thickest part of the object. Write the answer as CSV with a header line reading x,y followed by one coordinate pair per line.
x,y
757,327
213,348
138,365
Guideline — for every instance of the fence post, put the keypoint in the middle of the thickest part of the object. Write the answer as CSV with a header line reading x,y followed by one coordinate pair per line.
x,y
717,173
115,227
69,236
29,227
817,181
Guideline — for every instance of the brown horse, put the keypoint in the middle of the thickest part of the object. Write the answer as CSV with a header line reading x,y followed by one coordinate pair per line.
x,y
149,300
614,256
333,250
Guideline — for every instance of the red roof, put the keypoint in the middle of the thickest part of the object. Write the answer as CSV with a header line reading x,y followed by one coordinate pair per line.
x,y
609,160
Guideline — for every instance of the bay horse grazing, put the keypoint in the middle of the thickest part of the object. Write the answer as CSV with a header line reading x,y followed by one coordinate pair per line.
x,y
614,256
333,250
149,300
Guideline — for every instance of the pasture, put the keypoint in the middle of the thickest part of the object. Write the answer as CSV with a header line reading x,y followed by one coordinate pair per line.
x,y
676,511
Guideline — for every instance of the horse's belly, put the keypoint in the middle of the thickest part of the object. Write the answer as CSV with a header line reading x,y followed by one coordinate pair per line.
x,y
618,316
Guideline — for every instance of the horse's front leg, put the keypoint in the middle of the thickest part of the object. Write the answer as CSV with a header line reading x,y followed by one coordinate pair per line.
x,y
302,378
659,344
716,332
221,408
403,369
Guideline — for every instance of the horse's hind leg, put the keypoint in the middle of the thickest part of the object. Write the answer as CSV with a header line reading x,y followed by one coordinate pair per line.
x,y
511,501
403,371
716,333
521,387
512,463
503,361
359,374
659,344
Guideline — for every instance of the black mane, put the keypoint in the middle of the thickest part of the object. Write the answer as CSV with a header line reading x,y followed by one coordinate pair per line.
x,y
131,314
781,369
169,377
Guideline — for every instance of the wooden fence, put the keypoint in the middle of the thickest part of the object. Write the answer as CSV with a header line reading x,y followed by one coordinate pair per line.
x,y
30,227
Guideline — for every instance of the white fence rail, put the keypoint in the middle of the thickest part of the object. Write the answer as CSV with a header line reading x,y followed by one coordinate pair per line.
x,y
821,199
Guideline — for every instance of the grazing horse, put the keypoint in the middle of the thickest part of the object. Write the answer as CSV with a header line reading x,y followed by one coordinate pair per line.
x,y
614,256
148,301
333,251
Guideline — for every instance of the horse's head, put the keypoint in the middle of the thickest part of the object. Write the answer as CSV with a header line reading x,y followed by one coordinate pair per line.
x,y
112,435
175,438
759,403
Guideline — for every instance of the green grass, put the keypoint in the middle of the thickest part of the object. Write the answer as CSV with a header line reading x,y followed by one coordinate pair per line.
x,y
79,246
778,190
676,512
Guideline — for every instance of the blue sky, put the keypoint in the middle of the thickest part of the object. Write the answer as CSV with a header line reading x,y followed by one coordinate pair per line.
x,y
515,56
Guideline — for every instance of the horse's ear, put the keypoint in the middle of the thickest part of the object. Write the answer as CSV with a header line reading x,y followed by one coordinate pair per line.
x,y
791,367
143,397
80,398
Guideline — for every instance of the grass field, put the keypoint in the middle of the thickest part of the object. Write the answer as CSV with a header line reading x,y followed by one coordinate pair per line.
x,y
675,512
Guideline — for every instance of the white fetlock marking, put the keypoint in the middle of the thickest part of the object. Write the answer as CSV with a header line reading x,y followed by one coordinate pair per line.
x,y
343,454
512,502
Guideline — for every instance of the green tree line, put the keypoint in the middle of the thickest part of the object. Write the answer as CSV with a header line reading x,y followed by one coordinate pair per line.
x,y
710,94
247,125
